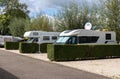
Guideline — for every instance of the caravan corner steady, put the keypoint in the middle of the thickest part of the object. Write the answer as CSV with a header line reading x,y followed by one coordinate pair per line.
x,y
41,36
82,36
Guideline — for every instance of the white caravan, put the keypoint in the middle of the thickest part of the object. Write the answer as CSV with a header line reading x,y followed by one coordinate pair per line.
x,y
82,36
41,36
6,38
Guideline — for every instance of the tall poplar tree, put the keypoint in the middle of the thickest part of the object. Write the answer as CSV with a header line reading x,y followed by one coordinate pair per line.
x,y
113,16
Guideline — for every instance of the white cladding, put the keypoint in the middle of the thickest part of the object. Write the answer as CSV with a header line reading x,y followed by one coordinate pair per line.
x,y
3,39
83,32
41,35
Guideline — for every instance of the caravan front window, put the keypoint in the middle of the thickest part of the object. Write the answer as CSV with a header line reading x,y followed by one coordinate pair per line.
x,y
62,39
33,40
67,40
30,40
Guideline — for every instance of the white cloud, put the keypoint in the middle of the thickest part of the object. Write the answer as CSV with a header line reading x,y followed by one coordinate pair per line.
x,y
35,6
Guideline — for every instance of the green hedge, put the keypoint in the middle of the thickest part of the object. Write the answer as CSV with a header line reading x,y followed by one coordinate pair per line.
x,y
73,52
50,52
11,45
43,47
28,47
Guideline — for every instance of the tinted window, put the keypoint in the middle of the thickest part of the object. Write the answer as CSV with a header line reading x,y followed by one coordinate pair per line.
x,y
54,37
108,36
88,39
72,40
35,40
35,33
46,38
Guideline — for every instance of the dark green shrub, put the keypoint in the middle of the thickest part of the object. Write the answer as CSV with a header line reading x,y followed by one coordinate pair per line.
x,y
28,47
102,51
66,52
73,52
11,45
43,47
50,52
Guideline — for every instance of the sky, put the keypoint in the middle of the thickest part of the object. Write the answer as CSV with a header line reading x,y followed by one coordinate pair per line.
x,y
50,7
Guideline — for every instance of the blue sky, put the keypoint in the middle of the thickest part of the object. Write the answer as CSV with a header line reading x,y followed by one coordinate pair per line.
x,y
50,7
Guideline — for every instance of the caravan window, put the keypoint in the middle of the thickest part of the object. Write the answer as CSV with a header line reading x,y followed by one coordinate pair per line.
x,y
33,40
62,39
67,40
35,33
108,36
54,37
88,39
72,40
46,38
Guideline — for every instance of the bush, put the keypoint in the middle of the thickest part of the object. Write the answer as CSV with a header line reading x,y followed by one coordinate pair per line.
x,y
103,51
50,52
66,52
28,47
11,45
43,47
73,52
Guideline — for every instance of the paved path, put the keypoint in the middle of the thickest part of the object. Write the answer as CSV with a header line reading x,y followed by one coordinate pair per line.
x,y
14,66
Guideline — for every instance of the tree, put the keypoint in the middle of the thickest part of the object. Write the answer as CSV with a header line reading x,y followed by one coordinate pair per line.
x,y
4,21
12,9
112,16
42,22
74,16
17,26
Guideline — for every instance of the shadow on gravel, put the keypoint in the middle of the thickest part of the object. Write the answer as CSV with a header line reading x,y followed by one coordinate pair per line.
x,y
6,75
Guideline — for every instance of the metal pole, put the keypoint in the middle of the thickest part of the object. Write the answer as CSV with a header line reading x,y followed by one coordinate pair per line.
x,y
39,45
39,49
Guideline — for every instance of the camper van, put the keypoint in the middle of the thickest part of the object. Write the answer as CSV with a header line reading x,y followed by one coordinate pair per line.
x,y
6,38
41,36
83,36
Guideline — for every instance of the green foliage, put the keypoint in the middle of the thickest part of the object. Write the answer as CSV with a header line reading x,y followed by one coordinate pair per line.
x,y
12,9
113,8
73,52
13,4
11,45
28,47
13,13
69,17
67,52
43,47
17,26
111,15
75,15
4,21
42,22
50,52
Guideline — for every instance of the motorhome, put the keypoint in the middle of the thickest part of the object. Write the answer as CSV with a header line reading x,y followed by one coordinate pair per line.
x,y
83,36
7,38
41,36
